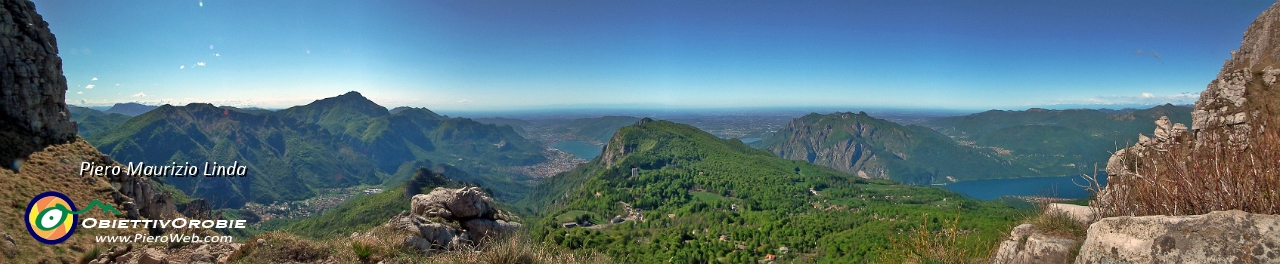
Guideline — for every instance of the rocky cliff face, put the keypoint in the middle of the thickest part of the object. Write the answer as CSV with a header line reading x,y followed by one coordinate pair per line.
x,y
869,147
1245,85
618,148
32,111
836,147
1243,95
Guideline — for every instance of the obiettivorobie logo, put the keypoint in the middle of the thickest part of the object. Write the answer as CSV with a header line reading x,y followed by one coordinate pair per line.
x,y
51,216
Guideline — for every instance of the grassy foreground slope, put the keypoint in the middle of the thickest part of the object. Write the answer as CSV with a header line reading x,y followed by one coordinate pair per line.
x,y
703,199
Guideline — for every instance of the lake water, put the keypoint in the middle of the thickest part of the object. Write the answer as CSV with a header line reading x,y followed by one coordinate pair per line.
x,y
579,149
749,140
1061,187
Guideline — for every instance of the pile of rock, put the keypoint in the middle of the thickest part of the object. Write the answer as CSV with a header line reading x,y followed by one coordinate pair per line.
x,y
1026,244
191,253
1217,237
448,219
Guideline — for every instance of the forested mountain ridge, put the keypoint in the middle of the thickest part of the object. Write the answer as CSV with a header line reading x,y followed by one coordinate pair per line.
x,y
334,142
662,191
875,148
1057,142
285,158
415,133
90,122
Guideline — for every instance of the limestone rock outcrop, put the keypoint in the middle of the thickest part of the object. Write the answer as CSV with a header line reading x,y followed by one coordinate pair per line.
x,y
1082,215
33,113
1217,237
1242,86
1027,245
448,219
34,88
809,143
1165,134
616,150
465,203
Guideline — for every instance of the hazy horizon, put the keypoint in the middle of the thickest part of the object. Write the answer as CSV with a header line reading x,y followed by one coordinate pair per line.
x,y
479,56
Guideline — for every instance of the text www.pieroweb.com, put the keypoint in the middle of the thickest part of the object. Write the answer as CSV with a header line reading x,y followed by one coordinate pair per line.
x,y
178,238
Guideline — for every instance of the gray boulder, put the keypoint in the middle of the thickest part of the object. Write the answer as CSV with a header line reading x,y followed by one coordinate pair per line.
x,y
1082,215
485,228
1026,245
434,235
465,203
1218,237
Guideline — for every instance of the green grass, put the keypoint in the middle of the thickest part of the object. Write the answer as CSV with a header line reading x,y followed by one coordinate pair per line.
x,y
357,214
575,215
708,197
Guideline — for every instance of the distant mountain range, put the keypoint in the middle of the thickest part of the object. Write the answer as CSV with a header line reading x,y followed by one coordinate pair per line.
x,y
1057,142
129,109
598,129
988,145
90,122
875,148
334,142
286,158
414,133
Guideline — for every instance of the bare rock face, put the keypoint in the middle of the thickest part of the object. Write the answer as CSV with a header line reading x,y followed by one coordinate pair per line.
x,y
34,88
1027,245
448,219
616,150
33,113
465,203
1166,133
1082,215
1218,237
1245,79
485,228
813,144
424,233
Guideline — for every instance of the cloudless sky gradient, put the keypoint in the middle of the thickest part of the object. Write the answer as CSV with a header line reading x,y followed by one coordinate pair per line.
x,y
496,55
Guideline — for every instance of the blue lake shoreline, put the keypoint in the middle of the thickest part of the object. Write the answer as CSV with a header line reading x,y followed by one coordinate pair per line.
x,y
580,149
1058,187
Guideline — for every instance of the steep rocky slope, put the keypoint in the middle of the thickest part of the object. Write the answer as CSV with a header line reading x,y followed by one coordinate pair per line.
x,y
41,152
875,148
32,111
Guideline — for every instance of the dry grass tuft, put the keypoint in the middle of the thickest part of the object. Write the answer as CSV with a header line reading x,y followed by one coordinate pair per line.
x,y
1188,177
1058,223
385,245
517,249
280,247
945,245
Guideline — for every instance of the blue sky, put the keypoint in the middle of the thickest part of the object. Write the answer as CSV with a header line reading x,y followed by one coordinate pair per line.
x,y
502,55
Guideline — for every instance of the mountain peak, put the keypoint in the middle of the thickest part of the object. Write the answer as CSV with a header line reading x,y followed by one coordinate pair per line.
x,y
643,121
130,109
352,94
